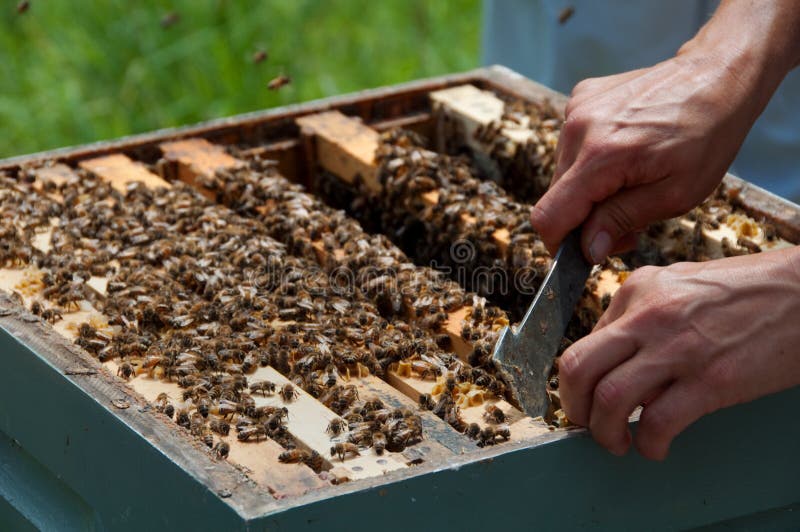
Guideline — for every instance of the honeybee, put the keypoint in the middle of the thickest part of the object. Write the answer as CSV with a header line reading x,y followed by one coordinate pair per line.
x,y
182,418
259,56
163,405
294,456
264,387
221,449
227,408
473,430
275,421
256,431
315,461
493,414
125,370
379,442
51,315
288,393
278,82
170,19
487,437
336,426
443,404
426,401
220,426
343,449
203,405
565,14
503,432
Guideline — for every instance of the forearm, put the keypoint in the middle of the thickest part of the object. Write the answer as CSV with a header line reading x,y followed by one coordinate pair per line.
x,y
757,41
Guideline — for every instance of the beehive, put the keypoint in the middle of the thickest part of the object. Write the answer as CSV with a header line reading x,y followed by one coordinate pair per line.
x,y
255,193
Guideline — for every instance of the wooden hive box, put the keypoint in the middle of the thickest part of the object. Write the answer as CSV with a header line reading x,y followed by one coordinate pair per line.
x,y
83,448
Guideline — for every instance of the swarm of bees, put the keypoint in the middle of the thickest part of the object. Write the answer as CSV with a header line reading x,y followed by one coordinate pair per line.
x,y
522,170
182,311
203,295
467,213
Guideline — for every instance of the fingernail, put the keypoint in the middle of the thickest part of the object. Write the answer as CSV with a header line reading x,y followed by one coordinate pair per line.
x,y
600,247
534,216
617,451
622,448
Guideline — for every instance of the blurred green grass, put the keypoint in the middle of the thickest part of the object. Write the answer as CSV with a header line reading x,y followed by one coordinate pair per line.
x,y
77,71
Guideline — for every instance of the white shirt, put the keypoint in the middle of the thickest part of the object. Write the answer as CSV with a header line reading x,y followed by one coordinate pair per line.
x,y
613,36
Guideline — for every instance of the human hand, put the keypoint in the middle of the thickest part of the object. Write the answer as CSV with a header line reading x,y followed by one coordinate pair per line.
x,y
683,341
642,146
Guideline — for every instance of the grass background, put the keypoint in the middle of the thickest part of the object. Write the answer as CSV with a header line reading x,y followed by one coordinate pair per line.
x,y
75,71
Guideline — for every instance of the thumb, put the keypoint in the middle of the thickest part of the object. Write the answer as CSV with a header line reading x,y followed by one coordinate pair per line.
x,y
609,226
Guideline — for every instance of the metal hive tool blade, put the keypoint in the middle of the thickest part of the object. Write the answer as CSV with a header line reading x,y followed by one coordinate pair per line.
x,y
524,353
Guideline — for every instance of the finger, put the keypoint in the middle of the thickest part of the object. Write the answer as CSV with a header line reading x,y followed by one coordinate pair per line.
x,y
614,312
619,392
627,295
626,212
625,243
569,145
585,362
571,199
668,414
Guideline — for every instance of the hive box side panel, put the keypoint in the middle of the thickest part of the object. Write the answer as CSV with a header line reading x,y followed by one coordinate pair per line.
x,y
124,466
721,468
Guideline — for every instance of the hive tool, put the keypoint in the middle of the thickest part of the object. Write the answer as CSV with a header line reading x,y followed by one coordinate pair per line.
x,y
524,353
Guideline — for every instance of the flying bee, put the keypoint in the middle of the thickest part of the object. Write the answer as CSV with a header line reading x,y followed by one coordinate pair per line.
x,y
288,393
565,14
170,19
278,82
343,449
259,56
263,387
493,414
